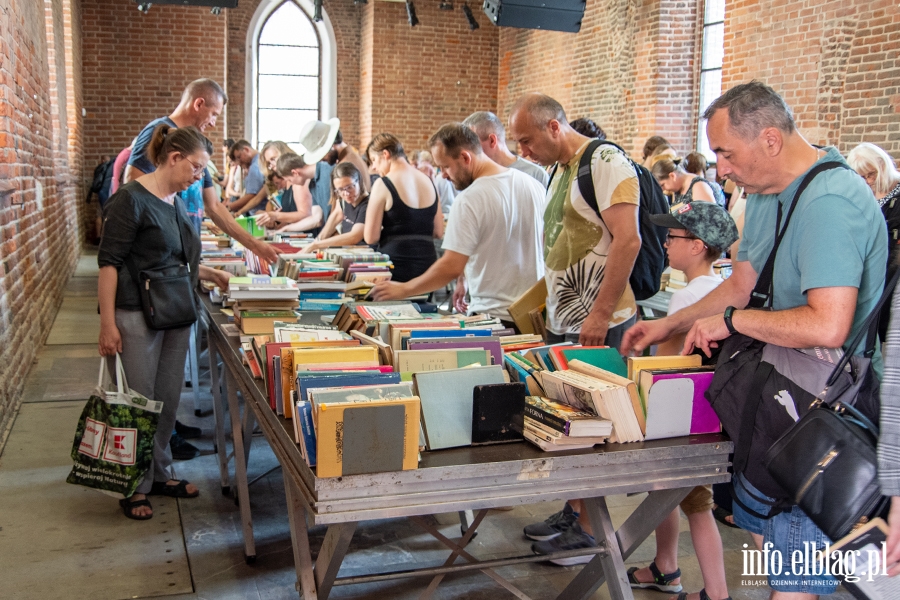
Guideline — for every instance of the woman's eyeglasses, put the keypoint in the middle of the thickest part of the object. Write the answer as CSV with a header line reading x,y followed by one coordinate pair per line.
x,y
198,169
347,189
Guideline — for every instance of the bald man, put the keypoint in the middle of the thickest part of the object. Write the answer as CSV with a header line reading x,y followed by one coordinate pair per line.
x,y
201,104
588,256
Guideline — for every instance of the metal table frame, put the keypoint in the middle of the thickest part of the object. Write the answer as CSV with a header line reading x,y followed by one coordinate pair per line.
x,y
462,479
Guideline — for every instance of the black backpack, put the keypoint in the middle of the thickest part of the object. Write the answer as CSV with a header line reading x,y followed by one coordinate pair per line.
x,y
102,182
651,260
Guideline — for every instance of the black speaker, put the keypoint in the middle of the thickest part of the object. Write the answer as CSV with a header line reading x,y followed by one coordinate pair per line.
x,y
552,15
210,3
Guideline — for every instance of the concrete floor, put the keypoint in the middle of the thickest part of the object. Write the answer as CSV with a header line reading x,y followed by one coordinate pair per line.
x,y
61,541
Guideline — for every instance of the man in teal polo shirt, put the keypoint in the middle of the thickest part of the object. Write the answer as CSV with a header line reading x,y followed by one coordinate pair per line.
x,y
828,275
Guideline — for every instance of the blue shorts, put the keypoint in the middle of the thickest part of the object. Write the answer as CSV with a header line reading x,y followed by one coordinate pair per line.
x,y
787,532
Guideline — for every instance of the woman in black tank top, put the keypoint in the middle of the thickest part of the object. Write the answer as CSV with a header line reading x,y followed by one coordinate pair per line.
x,y
403,232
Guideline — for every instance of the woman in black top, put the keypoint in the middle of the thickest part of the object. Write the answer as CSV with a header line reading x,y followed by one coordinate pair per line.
x,y
404,214
683,186
146,227
350,203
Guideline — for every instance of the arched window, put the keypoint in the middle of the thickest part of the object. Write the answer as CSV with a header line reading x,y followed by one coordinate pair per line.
x,y
291,77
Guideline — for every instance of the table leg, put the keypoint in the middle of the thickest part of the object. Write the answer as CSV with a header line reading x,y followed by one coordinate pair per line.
x,y
306,581
331,555
465,520
195,367
240,469
219,415
249,422
458,550
646,518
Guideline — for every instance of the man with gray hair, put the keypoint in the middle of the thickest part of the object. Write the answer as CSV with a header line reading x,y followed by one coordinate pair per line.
x,y
492,135
828,277
201,104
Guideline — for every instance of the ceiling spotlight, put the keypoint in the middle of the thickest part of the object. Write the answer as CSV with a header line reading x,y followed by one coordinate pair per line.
x,y
317,11
446,6
144,7
411,14
216,10
360,1
473,24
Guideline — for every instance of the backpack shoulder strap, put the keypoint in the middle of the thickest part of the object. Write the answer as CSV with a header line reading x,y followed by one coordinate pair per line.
x,y
586,178
552,175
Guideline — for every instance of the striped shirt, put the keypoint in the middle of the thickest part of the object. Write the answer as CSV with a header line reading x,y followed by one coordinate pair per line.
x,y
889,440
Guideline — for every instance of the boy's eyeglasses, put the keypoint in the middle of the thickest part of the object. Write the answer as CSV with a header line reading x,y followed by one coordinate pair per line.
x,y
670,237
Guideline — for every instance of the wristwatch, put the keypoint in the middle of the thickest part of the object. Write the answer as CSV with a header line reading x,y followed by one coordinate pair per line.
x,y
729,312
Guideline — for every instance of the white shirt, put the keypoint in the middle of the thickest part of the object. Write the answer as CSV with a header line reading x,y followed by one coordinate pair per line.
x,y
498,223
693,292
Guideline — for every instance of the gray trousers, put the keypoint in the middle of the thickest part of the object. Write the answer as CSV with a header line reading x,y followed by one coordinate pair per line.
x,y
154,366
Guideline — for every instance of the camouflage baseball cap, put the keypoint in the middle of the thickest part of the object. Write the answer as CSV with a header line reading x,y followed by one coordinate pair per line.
x,y
705,220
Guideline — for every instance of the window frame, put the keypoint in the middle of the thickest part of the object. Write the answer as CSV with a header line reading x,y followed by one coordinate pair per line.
x,y
700,143
327,69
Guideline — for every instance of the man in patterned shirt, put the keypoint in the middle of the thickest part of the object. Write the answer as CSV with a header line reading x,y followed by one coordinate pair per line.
x,y
588,257
588,253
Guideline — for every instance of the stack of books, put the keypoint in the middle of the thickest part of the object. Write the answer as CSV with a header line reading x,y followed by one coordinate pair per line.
x,y
673,395
357,429
554,426
259,301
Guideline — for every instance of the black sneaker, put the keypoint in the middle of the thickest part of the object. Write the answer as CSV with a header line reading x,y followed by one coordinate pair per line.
x,y
186,431
574,538
553,526
181,449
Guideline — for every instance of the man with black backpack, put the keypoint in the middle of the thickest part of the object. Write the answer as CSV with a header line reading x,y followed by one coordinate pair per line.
x,y
590,248
592,227
806,205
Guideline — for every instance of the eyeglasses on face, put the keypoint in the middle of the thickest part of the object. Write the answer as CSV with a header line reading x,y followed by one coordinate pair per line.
x,y
198,169
347,189
670,237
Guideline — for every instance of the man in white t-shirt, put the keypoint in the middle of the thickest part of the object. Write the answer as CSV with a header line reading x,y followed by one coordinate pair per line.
x,y
494,231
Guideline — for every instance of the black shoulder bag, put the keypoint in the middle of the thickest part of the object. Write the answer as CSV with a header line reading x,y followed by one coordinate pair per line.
x,y
828,461
760,390
167,293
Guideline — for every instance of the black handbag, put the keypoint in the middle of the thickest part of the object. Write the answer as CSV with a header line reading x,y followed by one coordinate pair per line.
x,y
828,461
167,293
758,389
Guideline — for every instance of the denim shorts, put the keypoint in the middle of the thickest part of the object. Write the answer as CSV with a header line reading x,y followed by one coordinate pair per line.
x,y
787,532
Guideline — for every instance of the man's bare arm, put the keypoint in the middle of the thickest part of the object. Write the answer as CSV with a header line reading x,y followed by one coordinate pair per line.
x,y
225,221
622,222
824,321
131,173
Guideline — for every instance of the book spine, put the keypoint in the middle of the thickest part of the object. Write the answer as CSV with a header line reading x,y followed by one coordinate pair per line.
x,y
309,434
557,423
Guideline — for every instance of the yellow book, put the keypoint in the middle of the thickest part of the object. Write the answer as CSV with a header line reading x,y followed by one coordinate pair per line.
x,y
353,438
637,363
318,356
520,310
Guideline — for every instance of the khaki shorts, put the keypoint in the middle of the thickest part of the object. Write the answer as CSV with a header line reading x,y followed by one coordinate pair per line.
x,y
699,500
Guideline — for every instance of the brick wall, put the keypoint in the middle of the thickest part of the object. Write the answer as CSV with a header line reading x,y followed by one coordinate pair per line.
x,y
74,104
39,230
135,67
836,63
424,76
630,68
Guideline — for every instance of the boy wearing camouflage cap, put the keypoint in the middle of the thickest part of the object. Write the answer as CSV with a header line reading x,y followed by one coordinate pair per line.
x,y
698,234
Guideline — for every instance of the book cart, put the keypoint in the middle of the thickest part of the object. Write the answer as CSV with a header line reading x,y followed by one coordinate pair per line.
x,y
456,480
